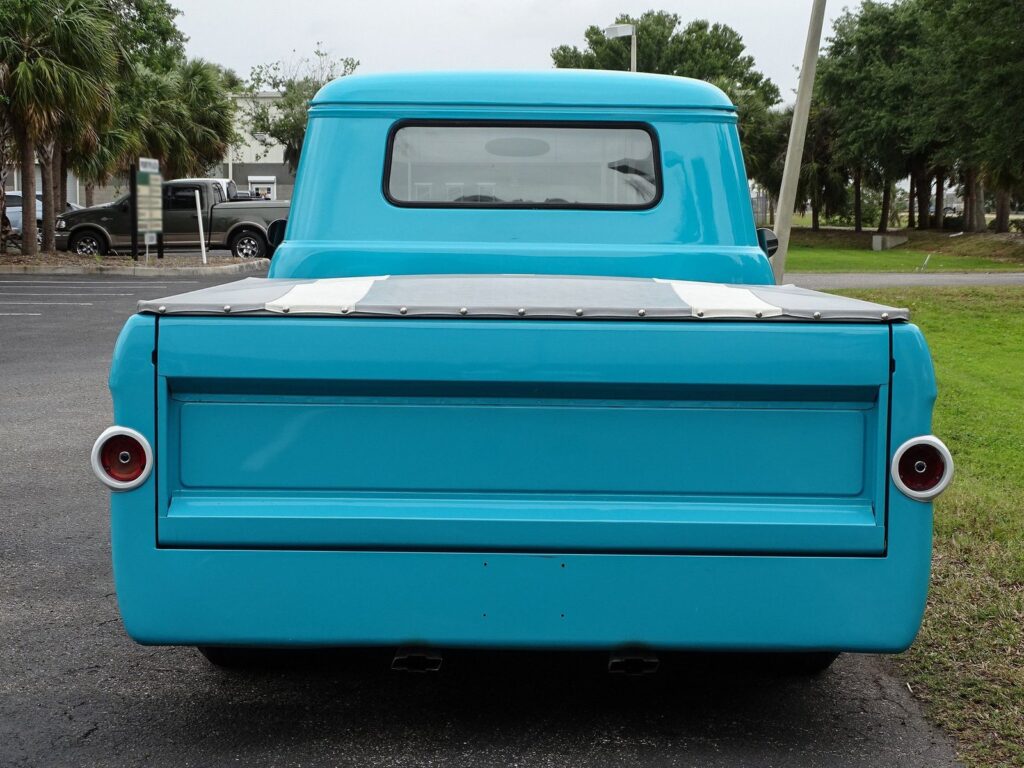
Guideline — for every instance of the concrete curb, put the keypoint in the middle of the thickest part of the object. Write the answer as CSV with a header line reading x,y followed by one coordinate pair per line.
x,y
245,267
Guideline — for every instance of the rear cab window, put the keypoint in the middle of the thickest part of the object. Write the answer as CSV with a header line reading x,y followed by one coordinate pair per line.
x,y
523,165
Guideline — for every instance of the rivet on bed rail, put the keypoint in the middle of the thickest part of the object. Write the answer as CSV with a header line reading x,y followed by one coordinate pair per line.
x,y
758,314
227,307
521,311
403,310
161,309
885,315
579,313
642,312
817,315
345,310
700,313
464,311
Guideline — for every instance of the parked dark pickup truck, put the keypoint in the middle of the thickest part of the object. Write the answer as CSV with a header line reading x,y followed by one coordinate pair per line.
x,y
238,226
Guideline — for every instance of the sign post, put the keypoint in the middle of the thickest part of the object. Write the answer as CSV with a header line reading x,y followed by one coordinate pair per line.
x,y
199,216
149,201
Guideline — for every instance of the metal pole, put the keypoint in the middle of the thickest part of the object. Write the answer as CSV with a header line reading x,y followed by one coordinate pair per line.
x,y
632,51
133,192
199,216
797,133
159,245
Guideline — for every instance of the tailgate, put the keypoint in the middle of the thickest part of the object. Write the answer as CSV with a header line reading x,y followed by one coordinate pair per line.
x,y
505,435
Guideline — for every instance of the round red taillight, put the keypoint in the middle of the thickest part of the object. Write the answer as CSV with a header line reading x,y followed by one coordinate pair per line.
x,y
122,458
922,467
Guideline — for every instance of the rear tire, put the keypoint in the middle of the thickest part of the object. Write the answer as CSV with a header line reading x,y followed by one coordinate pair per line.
x,y
249,244
88,242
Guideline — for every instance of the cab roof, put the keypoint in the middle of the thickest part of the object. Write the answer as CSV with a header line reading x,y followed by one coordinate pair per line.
x,y
556,87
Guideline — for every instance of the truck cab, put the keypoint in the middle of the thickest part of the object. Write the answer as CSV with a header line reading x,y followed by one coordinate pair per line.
x,y
519,377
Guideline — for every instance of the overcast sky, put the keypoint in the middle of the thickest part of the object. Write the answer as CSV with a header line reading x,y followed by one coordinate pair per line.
x,y
390,35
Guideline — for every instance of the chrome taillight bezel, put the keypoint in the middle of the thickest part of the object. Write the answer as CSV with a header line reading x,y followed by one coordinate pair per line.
x,y
97,465
944,481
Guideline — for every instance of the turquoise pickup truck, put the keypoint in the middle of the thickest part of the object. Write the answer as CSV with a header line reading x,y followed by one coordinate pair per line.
x,y
519,377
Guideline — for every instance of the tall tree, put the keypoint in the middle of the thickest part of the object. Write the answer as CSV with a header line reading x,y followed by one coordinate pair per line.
x,y
866,78
55,57
985,55
281,120
823,177
701,50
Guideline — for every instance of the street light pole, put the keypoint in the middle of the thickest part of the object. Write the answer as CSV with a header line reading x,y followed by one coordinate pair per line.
x,y
797,133
625,30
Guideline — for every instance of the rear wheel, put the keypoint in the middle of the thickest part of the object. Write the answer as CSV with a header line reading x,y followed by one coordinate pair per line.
x,y
88,243
249,244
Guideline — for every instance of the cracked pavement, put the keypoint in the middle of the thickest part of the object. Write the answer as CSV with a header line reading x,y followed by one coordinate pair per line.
x,y
75,691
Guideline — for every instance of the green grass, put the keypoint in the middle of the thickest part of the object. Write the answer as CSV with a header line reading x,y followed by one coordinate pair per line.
x,y
840,250
968,662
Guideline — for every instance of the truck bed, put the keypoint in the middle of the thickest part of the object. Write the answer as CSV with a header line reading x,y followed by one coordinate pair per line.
x,y
522,414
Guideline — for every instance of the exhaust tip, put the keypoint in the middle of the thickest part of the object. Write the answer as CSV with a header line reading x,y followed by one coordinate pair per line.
x,y
633,664
416,660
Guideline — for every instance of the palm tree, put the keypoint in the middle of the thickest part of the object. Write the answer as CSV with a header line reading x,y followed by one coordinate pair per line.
x,y
56,59
210,111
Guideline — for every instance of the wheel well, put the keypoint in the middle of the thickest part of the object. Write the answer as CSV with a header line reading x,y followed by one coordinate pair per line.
x,y
241,229
84,228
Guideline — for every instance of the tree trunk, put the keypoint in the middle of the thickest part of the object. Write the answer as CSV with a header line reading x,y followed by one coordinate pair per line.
x,y
62,183
883,223
46,156
911,202
1002,210
968,215
29,247
979,224
3,204
940,198
90,194
815,215
924,197
858,208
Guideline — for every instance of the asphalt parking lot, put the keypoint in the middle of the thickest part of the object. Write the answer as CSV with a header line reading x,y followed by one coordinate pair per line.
x,y
75,691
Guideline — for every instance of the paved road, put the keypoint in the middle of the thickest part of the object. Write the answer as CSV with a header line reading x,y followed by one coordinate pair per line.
x,y
822,281
75,691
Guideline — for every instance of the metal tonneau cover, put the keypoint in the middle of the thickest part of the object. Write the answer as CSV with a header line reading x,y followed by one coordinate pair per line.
x,y
521,296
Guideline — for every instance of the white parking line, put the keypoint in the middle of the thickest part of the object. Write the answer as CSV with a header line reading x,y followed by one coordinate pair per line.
x,y
42,303
21,314
20,293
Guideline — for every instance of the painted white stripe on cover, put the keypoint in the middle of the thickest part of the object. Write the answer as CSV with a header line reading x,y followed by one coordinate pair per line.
x,y
326,296
715,300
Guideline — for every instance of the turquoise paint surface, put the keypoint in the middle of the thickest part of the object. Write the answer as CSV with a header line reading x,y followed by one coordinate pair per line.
x,y
483,483
341,224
